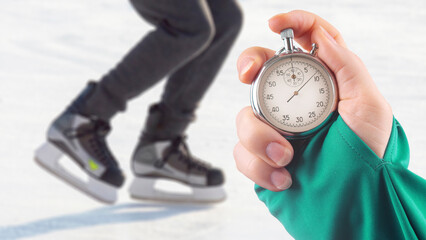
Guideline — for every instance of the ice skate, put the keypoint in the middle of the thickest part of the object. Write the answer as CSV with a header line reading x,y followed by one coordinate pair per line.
x,y
172,160
82,140
158,159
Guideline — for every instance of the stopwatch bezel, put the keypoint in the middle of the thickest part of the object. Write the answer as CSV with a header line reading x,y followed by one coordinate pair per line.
x,y
255,98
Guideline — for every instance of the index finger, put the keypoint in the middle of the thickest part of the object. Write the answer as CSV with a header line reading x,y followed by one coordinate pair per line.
x,y
251,61
303,24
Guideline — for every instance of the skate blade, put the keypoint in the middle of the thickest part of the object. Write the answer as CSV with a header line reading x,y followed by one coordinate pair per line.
x,y
48,156
145,189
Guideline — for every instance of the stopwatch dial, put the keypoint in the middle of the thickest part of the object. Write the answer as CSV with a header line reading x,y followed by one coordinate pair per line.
x,y
296,94
293,77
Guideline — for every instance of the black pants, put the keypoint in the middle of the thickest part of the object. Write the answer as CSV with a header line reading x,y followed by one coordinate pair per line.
x,y
189,45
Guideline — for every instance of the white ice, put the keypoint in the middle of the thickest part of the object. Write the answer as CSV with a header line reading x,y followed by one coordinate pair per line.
x,y
49,49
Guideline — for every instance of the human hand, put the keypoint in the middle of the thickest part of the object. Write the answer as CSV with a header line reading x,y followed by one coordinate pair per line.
x,y
262,153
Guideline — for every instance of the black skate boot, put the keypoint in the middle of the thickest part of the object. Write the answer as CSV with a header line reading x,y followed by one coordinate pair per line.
x,y
82,138
162,153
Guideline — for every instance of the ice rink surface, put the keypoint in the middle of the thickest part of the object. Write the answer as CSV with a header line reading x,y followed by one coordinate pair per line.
x,y
48,51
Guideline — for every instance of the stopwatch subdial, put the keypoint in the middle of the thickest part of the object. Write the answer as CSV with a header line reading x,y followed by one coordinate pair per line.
x,y
293,77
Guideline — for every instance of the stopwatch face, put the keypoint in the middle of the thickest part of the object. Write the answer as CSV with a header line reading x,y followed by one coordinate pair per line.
x,y
295,93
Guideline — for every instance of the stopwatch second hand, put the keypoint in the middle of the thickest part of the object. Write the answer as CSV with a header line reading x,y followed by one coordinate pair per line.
x,y
297,92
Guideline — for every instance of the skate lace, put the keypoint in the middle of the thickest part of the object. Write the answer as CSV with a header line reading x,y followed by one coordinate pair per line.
x,y
97,141
180,147
96,135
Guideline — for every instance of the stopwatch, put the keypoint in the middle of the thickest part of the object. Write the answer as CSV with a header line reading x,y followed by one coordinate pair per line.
x,y
294,92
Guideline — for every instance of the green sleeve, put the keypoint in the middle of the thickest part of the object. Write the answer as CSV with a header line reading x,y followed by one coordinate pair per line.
x,y
343,190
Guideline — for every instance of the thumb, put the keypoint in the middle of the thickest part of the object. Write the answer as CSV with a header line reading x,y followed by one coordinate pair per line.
x,y
352,76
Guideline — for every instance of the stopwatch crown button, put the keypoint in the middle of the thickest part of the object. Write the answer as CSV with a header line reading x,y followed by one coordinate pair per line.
x,y
287,33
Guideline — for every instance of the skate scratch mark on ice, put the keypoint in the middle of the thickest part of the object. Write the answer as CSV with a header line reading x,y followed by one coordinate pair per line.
x,y
118,214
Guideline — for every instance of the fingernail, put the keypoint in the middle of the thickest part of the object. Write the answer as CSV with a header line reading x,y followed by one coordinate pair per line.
x,y
245,65
278,153
280,180
328,35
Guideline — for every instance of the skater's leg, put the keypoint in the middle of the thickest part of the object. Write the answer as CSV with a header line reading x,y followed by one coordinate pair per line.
x,y
188,84
186,87
183,29
162,152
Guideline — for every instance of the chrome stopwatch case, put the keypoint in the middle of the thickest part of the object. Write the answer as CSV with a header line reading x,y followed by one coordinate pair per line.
x,y
294,92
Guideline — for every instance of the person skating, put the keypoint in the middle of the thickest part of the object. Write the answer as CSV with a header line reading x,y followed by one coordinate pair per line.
x,y
189,44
